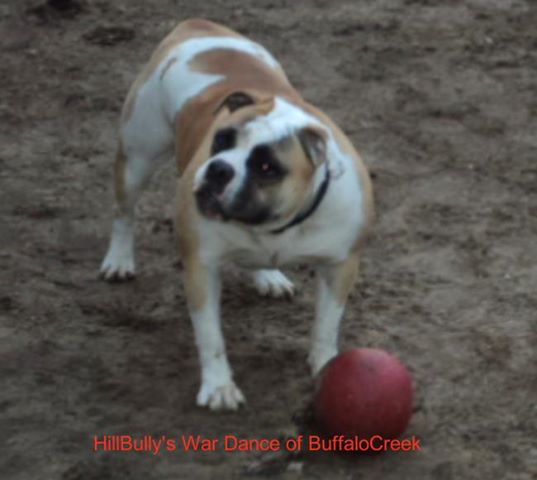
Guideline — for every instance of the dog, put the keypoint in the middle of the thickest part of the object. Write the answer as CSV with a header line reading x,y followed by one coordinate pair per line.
x,y
266,180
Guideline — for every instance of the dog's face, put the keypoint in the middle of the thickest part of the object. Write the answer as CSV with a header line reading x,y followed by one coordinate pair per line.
x,y
260,165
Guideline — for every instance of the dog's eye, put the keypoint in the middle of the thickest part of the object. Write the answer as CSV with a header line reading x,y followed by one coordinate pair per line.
x,y
263,164
224,140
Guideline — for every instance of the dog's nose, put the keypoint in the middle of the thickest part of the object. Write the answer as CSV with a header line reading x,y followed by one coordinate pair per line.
x,y
219,173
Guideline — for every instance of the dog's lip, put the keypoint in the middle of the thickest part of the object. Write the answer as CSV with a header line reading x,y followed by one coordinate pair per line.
x,y
215,210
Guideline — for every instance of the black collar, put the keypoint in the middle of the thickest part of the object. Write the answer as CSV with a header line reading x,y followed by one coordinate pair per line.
x,y
301,216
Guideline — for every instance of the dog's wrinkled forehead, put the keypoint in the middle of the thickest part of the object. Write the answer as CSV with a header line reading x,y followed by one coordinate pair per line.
x,y
280,123
263,121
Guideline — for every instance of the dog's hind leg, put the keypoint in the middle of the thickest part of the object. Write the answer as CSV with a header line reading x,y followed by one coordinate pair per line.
x,y
146,139
132,173
273,283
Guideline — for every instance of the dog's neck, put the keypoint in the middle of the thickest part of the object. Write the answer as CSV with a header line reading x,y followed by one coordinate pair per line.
x,y
304,214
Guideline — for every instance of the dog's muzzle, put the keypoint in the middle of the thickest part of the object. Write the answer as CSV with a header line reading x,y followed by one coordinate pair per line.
x,y
208,197
243,207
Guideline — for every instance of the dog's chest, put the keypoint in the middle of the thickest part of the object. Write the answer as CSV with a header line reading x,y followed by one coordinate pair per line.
x,y
301,246
270,255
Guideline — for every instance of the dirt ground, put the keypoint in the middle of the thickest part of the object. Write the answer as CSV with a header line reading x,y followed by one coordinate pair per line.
x,y
441,99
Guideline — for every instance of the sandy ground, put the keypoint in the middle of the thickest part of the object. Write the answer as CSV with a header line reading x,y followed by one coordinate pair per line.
x,y
441,99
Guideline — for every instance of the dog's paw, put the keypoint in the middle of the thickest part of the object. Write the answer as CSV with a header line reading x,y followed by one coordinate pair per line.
x,y
118,265
273,283
223,397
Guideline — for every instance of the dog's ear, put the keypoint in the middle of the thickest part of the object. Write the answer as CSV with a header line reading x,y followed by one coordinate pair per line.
x,y
313,141
235,101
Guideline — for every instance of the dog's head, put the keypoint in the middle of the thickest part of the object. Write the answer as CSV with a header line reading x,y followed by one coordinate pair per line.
x,y
262,158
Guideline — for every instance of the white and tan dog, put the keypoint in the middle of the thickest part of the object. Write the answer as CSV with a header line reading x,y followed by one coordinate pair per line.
x,y
266,180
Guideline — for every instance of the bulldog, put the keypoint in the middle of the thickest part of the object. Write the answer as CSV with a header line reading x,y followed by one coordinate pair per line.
x,y
266,180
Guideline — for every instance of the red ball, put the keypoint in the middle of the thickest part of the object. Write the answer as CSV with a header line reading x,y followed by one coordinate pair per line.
x,y
364,392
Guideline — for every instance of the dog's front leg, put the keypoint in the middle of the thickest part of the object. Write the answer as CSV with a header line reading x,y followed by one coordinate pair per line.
x,y
202,284
334,283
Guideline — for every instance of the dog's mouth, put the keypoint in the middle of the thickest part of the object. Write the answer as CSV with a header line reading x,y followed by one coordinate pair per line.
x,y
209,204
243,209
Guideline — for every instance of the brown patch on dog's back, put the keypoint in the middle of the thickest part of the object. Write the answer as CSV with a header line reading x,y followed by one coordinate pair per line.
x,y
244,69
186,30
